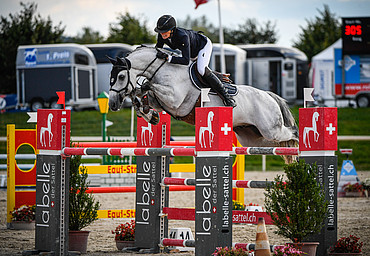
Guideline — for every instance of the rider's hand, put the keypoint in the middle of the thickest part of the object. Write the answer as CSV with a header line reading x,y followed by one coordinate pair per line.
x,y
162,55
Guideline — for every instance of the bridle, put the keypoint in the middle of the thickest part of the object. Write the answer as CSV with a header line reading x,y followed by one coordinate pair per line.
x,y
117,68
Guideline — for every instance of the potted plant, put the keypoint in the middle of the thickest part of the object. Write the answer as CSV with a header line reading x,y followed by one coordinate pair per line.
x,y
346,246
297,205
23,218
125,235
353,190
287,250
83,210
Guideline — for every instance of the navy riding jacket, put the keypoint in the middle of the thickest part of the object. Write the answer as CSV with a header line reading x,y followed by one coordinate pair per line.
x,y
187,41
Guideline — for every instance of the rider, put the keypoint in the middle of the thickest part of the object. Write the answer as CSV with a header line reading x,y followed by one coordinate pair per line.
x,y
192,45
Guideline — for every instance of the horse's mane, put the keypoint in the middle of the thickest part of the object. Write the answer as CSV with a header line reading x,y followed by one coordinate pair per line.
x,y
147,47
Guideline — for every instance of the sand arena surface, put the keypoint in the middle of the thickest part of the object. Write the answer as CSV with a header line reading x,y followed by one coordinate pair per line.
x,y
353,218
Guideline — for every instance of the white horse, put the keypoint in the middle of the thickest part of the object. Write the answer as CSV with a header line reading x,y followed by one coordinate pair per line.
x,y
43,130
261,118
202,130
307,130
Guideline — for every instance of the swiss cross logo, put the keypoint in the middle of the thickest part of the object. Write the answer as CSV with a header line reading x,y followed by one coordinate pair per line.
x,y
213,129
318,129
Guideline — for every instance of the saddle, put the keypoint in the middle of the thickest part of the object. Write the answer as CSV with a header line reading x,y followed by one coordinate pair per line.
x,y
199,83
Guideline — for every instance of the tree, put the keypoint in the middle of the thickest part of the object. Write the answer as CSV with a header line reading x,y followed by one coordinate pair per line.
x,y
200,24
88,36
251,33
129,30
248,33
319,34
22,29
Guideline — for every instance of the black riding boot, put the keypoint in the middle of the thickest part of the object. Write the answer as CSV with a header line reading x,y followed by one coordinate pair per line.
x,y
216,85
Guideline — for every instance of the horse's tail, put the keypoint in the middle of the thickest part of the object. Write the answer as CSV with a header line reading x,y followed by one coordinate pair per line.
x,y
289,122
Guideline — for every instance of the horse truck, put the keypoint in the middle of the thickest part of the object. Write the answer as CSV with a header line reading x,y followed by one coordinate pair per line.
x,y
41,70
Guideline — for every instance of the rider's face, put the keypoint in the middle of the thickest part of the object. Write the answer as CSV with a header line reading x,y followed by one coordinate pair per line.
x,y
166,35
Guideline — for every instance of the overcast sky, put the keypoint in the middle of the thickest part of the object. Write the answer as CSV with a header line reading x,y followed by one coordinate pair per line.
x,y
98,14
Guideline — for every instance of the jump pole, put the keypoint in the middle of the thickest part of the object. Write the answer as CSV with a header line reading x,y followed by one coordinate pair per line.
x,y
151,225
318,134
52,182
213,191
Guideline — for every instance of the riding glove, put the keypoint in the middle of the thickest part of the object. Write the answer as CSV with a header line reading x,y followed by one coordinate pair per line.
x,y
162,55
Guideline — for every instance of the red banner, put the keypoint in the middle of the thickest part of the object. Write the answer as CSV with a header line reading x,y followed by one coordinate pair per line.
x,y
199,2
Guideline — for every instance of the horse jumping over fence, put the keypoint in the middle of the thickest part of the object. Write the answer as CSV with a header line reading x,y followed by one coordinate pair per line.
x,y
261,118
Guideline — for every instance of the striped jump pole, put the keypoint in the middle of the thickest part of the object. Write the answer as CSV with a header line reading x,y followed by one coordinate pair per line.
x,y
130,151
129,144
175,151
235,183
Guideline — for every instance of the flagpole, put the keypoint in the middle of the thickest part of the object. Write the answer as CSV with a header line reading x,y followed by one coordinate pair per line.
x,y
221,35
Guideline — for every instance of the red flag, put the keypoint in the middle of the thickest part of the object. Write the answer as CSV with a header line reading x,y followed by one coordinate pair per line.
x,y
199,2
61,98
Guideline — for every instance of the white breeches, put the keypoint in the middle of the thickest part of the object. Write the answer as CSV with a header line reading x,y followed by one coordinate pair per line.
x,y
204,57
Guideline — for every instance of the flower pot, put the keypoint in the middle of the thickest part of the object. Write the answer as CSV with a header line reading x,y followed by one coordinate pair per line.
x,y
354,194
123,244
23,225
344,253
78,241
308,247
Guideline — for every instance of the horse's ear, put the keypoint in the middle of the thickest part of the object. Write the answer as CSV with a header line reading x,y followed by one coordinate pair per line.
x,y
113,61
119,61
124,62
128,63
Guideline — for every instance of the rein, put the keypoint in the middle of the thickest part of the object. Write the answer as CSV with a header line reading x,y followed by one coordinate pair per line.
x,y
155,72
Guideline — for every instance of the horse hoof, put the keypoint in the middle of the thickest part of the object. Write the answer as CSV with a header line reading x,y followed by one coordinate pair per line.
x,y
155,118
146,109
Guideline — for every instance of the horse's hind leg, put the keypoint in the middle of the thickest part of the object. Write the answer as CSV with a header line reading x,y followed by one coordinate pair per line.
x,y
249,136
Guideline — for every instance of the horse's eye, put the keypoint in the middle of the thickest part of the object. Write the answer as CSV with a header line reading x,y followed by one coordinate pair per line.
x,y
121,77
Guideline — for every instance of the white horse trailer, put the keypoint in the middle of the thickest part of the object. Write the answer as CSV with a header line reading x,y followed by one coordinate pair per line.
x,y
235,59
281,70
42,70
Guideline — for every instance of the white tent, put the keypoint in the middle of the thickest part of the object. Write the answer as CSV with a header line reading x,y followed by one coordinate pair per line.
x,y
322,72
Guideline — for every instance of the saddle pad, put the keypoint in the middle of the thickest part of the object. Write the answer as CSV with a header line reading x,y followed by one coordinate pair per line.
x,y
199,83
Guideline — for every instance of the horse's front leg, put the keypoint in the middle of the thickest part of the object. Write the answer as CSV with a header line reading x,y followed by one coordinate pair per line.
x,y
151,116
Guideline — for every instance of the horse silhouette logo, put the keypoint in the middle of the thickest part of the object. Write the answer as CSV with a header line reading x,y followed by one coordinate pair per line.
x,y
144,130
44,130
307,130
30,57
202,130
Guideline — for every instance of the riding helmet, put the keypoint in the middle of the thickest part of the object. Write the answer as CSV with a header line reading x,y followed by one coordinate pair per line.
x,y
165,23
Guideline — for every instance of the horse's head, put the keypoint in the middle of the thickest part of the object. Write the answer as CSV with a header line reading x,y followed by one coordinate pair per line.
x,y
120,83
